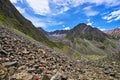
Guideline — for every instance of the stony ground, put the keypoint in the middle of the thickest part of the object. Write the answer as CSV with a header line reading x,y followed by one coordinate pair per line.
x,y
22,59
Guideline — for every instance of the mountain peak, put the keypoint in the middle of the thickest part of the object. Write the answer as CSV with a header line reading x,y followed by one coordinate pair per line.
x,y
115,33
117,29
85,31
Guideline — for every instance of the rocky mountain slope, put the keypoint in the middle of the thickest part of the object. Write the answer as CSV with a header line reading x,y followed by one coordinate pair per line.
x,y
22,59
12,19
85,39
84,31
114,33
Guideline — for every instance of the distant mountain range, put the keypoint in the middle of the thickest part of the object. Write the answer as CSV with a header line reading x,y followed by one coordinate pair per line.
x,y
84,38
55,35
58,32
115,33
84,31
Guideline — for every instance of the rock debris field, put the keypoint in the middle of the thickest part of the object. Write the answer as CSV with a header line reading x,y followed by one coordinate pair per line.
x,y
23,59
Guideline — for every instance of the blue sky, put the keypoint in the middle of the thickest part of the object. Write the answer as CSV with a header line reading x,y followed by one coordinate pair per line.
x,y
65,14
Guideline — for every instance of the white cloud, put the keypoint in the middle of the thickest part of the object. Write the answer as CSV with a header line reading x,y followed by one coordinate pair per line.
x,y
88,20
39,7
89,11
97,2
90,23
113,16
66,28
21,10
59,6
40,24
55,7
102,29
43,22
13,1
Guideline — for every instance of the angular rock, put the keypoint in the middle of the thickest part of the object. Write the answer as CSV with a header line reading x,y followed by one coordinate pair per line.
x,y
3,53
3,73
59,76
9,64
106,71
38,71
35,77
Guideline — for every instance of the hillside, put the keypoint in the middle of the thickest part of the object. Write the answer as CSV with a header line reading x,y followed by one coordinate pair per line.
x,y
22,59
115,33
83,53
57,35
84,31
12,19
84,39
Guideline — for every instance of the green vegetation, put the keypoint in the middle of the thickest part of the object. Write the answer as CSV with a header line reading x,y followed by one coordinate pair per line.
x,y
112,44
102,47
64,49
75,55
93,58
16,22
81,42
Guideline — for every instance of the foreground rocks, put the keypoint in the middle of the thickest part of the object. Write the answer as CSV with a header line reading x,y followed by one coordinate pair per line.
x,y
23,59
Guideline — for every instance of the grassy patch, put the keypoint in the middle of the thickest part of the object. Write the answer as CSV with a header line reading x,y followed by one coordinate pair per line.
x,y
93,57
2,18
81,42
75,55
22,34
112,44
102,47
64,49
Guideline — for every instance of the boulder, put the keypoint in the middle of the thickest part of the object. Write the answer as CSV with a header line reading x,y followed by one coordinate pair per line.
x,y
10,64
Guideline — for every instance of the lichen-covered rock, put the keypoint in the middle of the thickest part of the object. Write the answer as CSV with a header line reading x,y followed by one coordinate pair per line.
x,y
3,73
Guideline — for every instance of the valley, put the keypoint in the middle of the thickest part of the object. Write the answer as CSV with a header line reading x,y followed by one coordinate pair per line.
x,y
30,53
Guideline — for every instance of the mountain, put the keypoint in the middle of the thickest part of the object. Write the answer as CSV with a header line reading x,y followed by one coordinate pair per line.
x,y
84,31
114,33
54,35
23,59
58,32
85,39
57,35
12,19
23,56
42,30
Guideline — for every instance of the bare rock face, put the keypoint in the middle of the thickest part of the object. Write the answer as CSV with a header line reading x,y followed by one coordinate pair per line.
x,y
114,33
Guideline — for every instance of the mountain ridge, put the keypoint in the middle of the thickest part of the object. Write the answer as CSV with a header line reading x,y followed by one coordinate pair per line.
x,y
115,33
28,58
12,19
86,32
